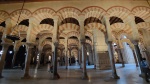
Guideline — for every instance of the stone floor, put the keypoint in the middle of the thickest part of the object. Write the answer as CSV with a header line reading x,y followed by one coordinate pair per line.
x,y
128,75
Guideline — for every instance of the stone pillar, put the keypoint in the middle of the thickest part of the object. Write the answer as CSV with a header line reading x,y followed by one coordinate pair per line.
x,y
2,60
55,75
14,58
28,60
121,57
112,61
84,58
135,58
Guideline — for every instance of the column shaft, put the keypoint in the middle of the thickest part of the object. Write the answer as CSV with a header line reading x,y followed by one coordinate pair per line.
x,y
2,61
84,76
27,62
135,58
112,61
137,50
14,58
55,75
120,54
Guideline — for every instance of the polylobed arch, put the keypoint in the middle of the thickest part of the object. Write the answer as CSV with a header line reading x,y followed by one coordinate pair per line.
x,y
43,13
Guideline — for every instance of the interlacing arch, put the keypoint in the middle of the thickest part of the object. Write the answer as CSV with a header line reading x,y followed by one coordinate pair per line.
x,y
94,11
120,12
73,33
41,14
25,14
92,26
68,26
68,12
38,29
142,12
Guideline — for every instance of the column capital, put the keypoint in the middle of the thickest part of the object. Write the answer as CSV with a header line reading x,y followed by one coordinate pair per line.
x,y
56,43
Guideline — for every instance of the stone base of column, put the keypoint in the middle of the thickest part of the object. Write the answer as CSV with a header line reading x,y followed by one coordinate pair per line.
x,y
85,76
26,76
55,77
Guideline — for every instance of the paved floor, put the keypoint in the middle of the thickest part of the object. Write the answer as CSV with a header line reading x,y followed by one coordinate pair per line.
x,y
128,75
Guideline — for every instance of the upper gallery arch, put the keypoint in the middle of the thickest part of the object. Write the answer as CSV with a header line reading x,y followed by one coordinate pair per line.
x,y
69,15
44,16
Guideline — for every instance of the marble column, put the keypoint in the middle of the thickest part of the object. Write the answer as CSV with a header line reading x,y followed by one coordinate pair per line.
x,y
14,58
112,61
55,75
84,58
135,58
2,60
28,60
121,57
